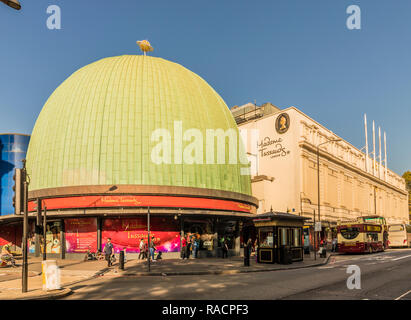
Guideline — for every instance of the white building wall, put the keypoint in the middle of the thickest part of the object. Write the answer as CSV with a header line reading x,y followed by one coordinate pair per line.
x,y
346,188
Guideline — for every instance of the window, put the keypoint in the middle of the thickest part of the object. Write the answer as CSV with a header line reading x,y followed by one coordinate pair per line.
x,y
52,237
296,237
282,232
266,238
372,237
350,233
396,228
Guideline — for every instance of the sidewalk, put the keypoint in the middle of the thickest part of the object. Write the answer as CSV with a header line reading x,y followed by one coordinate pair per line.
x,y
75,271
176,267
72,271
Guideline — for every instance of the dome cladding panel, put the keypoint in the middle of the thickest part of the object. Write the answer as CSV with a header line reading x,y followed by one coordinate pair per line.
x,y
95,129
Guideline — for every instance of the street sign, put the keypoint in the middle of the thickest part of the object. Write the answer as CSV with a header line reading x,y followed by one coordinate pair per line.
x,y
317,226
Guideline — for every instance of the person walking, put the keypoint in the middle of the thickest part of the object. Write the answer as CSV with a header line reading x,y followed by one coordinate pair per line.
x,y
142,249
152,248
108,251
225,249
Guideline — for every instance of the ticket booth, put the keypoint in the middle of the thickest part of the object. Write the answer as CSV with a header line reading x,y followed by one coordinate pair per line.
x,y
278,233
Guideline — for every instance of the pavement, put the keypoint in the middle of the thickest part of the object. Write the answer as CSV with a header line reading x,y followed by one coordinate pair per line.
x,y
74,272
205,266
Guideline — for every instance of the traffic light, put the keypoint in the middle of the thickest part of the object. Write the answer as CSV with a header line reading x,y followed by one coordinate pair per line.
x,y
18,189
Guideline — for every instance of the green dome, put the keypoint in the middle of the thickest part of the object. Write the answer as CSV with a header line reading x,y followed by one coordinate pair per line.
x,y
95,129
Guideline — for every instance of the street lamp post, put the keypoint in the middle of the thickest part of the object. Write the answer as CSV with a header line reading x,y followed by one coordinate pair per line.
x,y
15,4
148,238
25,229
318,182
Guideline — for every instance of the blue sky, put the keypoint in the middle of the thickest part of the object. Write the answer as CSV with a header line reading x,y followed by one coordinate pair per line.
x,y
288,52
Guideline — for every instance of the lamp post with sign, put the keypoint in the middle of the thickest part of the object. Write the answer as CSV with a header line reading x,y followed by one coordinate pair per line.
x,y
318,186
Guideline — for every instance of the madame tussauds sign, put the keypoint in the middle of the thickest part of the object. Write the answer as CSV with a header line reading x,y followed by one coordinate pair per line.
x,y
272,148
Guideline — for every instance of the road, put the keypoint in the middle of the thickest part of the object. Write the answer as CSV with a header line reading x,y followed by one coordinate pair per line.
x,y
384,275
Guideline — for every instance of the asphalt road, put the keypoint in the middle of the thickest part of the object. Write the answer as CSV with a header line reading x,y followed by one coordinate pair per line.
x,y
383,276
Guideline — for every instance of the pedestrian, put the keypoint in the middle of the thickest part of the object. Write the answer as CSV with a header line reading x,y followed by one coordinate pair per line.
x,y
152,248
225,249
249,246
108,251
256,249
183,248
247,252
334,244
6,255
196,245
142,249
188,248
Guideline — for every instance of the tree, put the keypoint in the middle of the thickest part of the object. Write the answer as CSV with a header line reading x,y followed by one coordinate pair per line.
x,y
407,177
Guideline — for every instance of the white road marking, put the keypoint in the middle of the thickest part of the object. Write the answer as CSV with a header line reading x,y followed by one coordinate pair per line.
x,y
330,267
401,258
380,257
403,295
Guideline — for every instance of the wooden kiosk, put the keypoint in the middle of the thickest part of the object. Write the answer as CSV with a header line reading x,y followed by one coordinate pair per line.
x,y
276,232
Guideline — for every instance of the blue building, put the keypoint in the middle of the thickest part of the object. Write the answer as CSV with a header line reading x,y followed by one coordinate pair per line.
x,y
13,148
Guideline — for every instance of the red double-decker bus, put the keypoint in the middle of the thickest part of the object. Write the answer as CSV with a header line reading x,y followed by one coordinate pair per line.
x,y
366,234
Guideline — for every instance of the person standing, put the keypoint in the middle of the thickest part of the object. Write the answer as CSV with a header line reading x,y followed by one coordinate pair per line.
x,y
108,251
248,248
196,245
142,249
183,247
188,248
225,249
334,244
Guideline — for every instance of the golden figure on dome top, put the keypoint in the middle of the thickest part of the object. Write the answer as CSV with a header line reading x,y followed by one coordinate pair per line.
x,y
145,46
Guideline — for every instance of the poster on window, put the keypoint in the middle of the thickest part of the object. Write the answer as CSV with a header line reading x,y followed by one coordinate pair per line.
x,y
126,233
53,244
81,235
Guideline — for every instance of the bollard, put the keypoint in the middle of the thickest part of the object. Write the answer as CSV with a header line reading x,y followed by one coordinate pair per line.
x,y
121,260
50,275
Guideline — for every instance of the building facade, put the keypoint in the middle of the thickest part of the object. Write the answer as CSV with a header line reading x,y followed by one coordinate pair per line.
x,y
120,138
283,147
13,148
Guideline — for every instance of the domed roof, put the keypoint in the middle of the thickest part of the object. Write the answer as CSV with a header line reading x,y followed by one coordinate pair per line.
x,y
96,128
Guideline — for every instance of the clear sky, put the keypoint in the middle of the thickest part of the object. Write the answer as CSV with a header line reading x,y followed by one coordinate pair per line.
x,y
288,52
